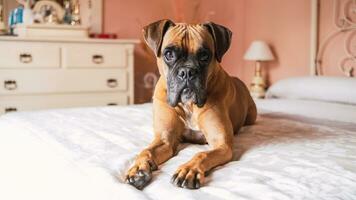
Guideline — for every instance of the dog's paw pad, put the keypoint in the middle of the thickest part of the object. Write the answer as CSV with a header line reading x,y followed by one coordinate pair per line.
x,y
140,179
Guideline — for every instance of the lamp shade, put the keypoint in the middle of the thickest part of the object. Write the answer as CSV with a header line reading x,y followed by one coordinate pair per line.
x,y
259,50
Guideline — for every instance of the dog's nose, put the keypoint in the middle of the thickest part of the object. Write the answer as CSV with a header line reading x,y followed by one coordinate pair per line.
x,y
187,73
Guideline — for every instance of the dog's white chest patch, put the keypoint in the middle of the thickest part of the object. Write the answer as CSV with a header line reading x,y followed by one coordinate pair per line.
x,y
192,133
189,119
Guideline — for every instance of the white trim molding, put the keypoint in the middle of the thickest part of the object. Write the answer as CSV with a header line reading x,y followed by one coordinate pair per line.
x,y
314,36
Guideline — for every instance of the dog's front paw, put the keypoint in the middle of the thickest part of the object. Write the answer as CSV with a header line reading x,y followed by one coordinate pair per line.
x,y
189,176
140,174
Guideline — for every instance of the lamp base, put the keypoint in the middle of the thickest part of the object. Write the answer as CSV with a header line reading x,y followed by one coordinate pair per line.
x,y
258,86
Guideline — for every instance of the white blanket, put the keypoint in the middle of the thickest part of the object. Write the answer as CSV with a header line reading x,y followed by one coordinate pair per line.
x,y
84,154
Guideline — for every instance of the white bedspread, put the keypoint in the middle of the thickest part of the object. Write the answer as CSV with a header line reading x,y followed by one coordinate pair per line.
x,y
84,153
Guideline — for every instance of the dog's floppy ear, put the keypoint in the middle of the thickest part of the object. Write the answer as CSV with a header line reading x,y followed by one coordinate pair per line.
x,y
154,33
222,38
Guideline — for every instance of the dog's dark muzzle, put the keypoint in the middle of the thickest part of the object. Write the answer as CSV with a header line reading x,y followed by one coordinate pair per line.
x,y
186,85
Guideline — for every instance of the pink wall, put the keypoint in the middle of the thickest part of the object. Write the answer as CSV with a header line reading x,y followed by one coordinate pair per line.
x,y
126,18
285,25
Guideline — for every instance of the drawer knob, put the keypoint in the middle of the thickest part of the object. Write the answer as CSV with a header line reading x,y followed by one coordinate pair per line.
x,y
25,58
10,109
10,85
98,59
112,83
112,104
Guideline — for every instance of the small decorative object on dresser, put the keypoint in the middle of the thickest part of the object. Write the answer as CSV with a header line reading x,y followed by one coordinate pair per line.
x,y
27,16
76,20
2,23
48,12
258,51
59,73
2,17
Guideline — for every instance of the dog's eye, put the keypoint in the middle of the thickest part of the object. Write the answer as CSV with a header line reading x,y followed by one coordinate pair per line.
x,y
169,55
203,56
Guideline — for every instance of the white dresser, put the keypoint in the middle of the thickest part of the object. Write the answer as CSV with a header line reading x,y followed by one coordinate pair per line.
x,y
61,73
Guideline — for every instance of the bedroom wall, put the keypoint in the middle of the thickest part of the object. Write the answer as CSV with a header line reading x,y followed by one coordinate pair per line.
x,y
126,18
285,25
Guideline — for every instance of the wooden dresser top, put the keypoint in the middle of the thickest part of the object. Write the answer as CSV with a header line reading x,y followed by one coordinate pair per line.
x,y
69,40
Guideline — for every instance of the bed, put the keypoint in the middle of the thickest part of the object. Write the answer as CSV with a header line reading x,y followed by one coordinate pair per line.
x,y
303,146
300,148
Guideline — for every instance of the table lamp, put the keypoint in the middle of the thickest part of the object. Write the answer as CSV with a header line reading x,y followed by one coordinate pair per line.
x,y
259,51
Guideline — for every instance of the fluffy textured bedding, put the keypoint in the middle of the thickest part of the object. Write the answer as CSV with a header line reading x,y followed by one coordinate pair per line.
x,y
308,151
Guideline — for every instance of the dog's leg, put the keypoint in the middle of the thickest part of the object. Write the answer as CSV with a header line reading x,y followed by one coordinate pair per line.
x,y
218,131
168,129
148,160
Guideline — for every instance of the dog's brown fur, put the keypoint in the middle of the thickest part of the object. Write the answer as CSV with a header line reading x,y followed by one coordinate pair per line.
x,y
229,106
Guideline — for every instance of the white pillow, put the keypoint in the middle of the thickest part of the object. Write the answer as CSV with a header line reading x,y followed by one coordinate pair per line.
x,y
321,88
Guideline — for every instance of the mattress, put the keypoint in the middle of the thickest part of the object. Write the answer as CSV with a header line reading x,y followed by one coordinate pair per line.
x,y
296,150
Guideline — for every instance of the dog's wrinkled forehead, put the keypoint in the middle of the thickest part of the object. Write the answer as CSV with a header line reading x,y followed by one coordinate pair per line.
x,y
159,34
190,37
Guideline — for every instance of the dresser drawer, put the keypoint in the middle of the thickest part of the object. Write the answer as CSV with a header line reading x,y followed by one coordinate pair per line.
x,y
62,81
29,55
102,56
39,102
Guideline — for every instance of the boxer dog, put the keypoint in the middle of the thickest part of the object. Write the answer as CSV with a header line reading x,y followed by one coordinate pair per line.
x,y
195,101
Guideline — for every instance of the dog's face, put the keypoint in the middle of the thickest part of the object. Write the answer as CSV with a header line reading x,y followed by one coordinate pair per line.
x,y
186,56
